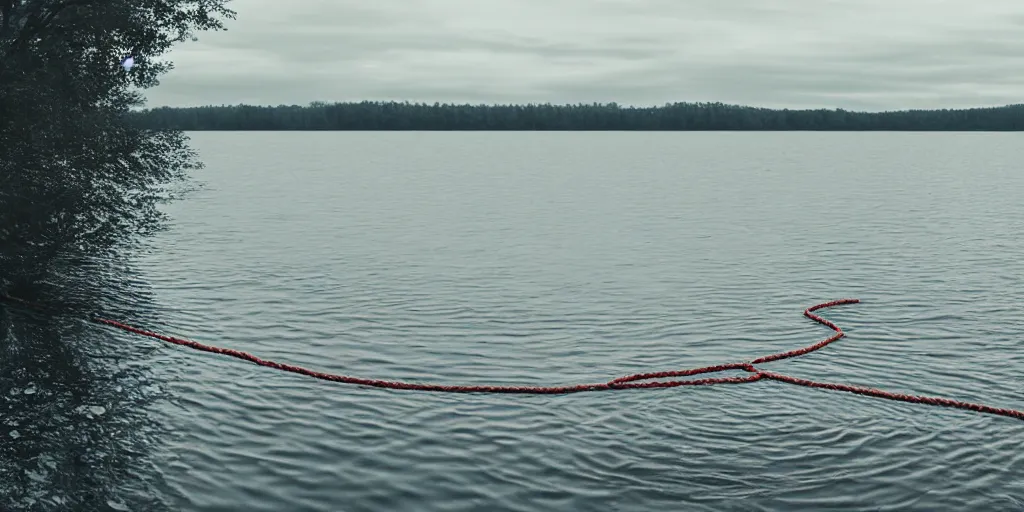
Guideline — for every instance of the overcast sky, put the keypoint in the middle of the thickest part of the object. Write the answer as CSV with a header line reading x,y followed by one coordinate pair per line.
x,y
854,54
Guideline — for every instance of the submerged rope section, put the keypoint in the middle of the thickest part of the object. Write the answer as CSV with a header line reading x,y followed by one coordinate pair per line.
x,y
635,381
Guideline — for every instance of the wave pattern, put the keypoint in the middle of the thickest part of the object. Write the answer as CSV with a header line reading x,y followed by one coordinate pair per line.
x,y
528,259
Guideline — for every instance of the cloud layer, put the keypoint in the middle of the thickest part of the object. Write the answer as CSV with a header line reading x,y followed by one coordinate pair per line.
x,y
854,54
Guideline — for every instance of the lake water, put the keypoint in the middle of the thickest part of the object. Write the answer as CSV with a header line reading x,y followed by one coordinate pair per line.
x,y
535,259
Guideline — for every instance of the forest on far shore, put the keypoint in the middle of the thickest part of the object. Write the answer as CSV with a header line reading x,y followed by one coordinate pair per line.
x,y
370,115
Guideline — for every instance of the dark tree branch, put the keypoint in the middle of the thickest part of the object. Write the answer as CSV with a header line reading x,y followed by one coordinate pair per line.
x,y
36,25
77,176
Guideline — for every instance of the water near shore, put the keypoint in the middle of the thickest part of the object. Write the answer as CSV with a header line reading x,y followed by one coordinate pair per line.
x,y
534,259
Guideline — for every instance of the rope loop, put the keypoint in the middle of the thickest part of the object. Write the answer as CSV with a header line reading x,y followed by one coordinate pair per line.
x,y
649,380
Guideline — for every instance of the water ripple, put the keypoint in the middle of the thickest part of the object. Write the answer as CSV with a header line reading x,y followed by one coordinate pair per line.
x,y
571,262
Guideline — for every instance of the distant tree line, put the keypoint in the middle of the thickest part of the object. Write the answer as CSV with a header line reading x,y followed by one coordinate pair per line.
x,y
369,115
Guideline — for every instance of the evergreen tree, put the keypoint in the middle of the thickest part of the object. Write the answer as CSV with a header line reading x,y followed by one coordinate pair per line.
x,y
675,116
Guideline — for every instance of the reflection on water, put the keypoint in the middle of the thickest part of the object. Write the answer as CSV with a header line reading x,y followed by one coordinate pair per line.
x,y
74,429
539,259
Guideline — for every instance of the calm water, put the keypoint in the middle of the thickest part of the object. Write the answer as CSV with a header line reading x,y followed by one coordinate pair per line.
x,y
544,258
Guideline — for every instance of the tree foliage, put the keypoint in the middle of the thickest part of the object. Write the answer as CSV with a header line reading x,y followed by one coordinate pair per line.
x,y
75,172
677,116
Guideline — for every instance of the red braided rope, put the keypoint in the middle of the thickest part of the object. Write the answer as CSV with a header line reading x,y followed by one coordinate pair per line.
x,y
636,381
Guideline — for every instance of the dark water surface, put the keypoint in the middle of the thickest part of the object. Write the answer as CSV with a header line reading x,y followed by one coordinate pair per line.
x,y
535,259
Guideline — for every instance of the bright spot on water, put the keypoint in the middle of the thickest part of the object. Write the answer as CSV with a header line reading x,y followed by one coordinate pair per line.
x,y
117,505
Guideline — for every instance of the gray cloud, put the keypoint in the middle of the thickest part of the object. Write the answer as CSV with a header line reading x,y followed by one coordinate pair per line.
x,y
855,54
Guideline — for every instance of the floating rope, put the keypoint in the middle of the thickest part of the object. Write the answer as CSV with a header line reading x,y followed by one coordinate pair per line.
x,y
636,381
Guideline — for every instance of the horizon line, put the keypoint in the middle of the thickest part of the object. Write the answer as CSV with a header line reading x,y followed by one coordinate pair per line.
x,y
611,104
